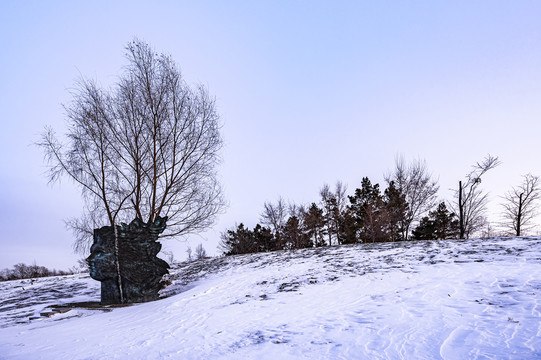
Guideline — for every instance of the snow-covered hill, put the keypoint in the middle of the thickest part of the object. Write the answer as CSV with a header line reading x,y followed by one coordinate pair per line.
x,y
416,300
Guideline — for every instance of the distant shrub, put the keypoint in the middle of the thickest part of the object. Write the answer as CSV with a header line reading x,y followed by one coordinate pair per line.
x,y
23,271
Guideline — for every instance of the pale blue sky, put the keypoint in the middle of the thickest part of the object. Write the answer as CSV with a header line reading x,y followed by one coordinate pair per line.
x,y
310,92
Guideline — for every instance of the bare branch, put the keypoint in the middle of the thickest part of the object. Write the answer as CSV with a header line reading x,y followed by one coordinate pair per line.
x,y
416,183
520,205
470,201
147,147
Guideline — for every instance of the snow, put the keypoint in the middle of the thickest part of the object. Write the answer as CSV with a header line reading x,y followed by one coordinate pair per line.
x,y
473,299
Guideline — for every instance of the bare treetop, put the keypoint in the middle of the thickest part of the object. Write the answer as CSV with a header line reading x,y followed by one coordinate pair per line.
x,y
416,183
470,200
520,205
480,168
148,147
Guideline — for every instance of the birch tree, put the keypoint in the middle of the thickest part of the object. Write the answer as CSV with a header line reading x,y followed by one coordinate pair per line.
x,y
147,147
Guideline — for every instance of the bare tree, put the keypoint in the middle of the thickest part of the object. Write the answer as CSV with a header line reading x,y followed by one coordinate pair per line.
x,y
298,210
200,252
145,148
274,216
169,256
470,200
82,265
334,205
419,188
519,205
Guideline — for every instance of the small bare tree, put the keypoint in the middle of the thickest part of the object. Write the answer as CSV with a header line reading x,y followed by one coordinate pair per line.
x,y
298,210
470,201
519,205
414,181
274,216
169,256
200,252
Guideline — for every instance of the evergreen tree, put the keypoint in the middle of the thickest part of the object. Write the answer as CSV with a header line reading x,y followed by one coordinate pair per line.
x,y
314,224
396,210
264,239
239,241
347,228
425,230
293,235
445,222
368,209
440,224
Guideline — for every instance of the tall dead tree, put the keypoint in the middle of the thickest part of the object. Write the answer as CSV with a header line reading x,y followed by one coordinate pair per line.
x,y
416,184
147,147
470,201
519,205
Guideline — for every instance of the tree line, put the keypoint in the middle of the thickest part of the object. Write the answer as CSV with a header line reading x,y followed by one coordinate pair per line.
x,y
406,209
24,271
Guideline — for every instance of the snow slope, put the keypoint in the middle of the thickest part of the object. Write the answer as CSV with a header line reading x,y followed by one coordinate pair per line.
x,y
474,299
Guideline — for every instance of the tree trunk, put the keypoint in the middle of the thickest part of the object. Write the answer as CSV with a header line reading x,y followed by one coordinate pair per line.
x,y
117,263
330,232
519,215
461,210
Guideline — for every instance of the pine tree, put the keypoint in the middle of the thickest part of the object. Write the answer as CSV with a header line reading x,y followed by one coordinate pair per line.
x,y
446,223
264,239
368,208
440,224
347,228
425,230
314,223
396,210
293,235
239,241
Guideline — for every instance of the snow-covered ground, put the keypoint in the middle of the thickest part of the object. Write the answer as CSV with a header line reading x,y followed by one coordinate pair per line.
x,y
474,299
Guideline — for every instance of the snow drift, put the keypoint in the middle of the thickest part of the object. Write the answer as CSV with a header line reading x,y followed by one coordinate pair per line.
x,y
411,300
